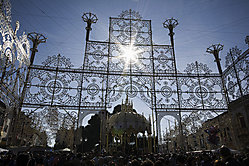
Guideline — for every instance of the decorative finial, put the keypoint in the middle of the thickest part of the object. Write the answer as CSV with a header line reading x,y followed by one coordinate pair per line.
x,y
214,48
170,24
89,18
130,14
36,38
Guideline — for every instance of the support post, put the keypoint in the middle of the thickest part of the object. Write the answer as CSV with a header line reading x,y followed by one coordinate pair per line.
x,y
215,49
170,24
36,38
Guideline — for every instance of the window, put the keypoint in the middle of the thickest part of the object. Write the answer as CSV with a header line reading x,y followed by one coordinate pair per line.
x,y
242,121
228,133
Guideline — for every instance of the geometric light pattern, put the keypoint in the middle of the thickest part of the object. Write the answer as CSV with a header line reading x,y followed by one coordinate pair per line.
x,y
129,63
200,89
236,75
53,87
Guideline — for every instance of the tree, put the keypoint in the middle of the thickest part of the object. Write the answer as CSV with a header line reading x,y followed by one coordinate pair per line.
x,y
91,133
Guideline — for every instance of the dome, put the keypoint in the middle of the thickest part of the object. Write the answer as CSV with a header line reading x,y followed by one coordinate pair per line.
x,y
128,121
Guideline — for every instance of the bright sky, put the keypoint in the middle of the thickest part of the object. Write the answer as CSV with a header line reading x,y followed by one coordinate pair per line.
x,y
201,23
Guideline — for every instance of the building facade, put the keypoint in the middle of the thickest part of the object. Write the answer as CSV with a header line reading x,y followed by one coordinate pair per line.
x,y
232,128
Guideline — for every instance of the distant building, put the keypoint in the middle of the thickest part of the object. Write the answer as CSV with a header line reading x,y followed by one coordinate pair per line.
x,y
20,133
6,121
239,113
233,127
127,130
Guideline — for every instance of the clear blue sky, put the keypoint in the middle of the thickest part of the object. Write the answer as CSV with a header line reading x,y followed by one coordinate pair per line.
x,y
201,23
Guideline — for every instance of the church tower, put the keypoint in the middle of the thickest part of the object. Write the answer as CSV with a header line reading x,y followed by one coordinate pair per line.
x,y
127,106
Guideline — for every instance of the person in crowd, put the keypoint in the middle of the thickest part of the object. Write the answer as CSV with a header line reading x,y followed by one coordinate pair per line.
x,y
147,162
134,162
22,159
219,163
223,157
227,157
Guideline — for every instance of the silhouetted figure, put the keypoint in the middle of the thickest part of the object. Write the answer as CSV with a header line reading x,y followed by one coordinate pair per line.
x,y
135,162
159,163
22,160
218,163
181,159
227,157
245,161
147,162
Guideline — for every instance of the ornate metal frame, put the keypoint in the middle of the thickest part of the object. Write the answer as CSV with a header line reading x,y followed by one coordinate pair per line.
x,y
107,74
236,75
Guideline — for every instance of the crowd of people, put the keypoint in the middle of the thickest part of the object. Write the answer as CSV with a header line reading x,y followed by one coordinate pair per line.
x,y
220,158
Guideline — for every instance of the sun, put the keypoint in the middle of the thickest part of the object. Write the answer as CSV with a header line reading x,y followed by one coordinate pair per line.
x,y
129,54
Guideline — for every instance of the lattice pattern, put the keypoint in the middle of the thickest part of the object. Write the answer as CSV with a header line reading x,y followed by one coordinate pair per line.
x,y
163,59
54,87
166,93
109,73
128,31
191,122
51,119
58,61
201,93
131,86
140,64
200,89
130,14
96,56
236,76
93,90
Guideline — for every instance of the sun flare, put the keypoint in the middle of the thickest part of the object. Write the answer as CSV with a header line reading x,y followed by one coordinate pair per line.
x,y
130,55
